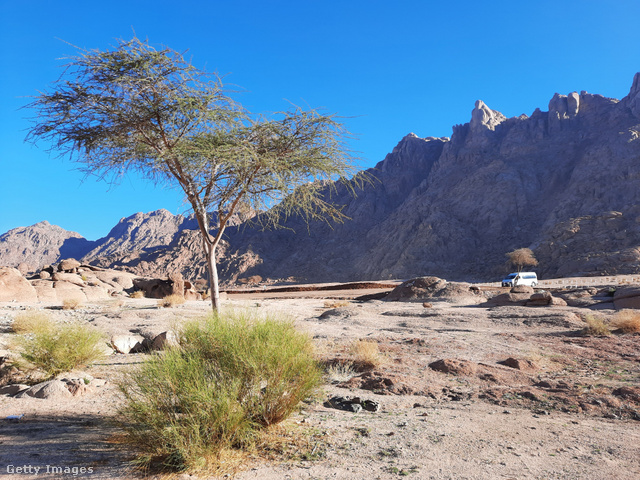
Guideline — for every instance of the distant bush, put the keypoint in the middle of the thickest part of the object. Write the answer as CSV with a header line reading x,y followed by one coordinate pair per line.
x,y
627,320
53,349
595,326
230,377
171,301
71,304
137,294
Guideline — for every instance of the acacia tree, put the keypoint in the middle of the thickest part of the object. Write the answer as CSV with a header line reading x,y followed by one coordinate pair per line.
x,y
522,257
138,108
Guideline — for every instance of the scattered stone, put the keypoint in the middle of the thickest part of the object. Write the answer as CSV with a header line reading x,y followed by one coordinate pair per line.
x,y
427,305
354,405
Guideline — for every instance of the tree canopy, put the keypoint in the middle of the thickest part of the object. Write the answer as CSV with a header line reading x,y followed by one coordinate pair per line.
x,y
138,108
522,257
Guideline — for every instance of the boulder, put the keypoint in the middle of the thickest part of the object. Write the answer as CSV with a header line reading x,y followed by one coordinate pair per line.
x,y
177,284
508,299
164,340
128,343
68,265
69,277
434,288
14,287
522,289
118,280
627,297
44,275
95,293
153,287
51,389
68,291
45,291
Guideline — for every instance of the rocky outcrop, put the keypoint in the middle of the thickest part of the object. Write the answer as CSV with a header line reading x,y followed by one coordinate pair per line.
x,y
39,245
434,289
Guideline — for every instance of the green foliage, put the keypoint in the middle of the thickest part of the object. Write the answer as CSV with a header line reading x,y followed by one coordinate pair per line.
x,y
230,377
53,349
135,107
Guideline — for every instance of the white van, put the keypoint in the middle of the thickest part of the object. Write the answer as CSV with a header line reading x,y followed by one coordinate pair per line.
x,y
522,278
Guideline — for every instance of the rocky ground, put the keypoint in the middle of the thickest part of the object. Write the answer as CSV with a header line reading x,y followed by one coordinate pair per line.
x,y
467,390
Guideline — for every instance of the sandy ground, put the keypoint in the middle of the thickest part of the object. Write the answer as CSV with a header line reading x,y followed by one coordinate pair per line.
x,y
569,412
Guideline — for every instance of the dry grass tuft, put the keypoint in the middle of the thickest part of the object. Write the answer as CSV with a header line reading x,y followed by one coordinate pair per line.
x,y
336,303
367,355
137,294
627,320
171,301
339,372
71,304
31,322
595,327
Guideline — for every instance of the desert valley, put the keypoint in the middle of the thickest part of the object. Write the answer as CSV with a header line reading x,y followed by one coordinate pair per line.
x,y
464,378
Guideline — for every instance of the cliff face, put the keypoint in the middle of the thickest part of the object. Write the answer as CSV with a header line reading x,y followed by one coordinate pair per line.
x,y
563,182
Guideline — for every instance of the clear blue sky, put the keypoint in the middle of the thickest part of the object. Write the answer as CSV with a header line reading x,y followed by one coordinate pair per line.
x,y
395,67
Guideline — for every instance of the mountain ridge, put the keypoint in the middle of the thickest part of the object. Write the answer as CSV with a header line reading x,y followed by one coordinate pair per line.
x,y
562,182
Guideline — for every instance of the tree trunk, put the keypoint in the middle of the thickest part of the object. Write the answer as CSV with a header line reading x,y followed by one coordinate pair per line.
x,y
213,276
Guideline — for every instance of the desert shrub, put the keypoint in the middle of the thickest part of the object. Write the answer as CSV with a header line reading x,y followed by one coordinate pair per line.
x,y
595,326
335,303
31,322
627,320
56,349
171,300
338,372
367,354
230,377
71,304
137,294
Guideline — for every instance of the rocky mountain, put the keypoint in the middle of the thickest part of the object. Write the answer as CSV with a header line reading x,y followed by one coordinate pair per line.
x,y
40,244
563,182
